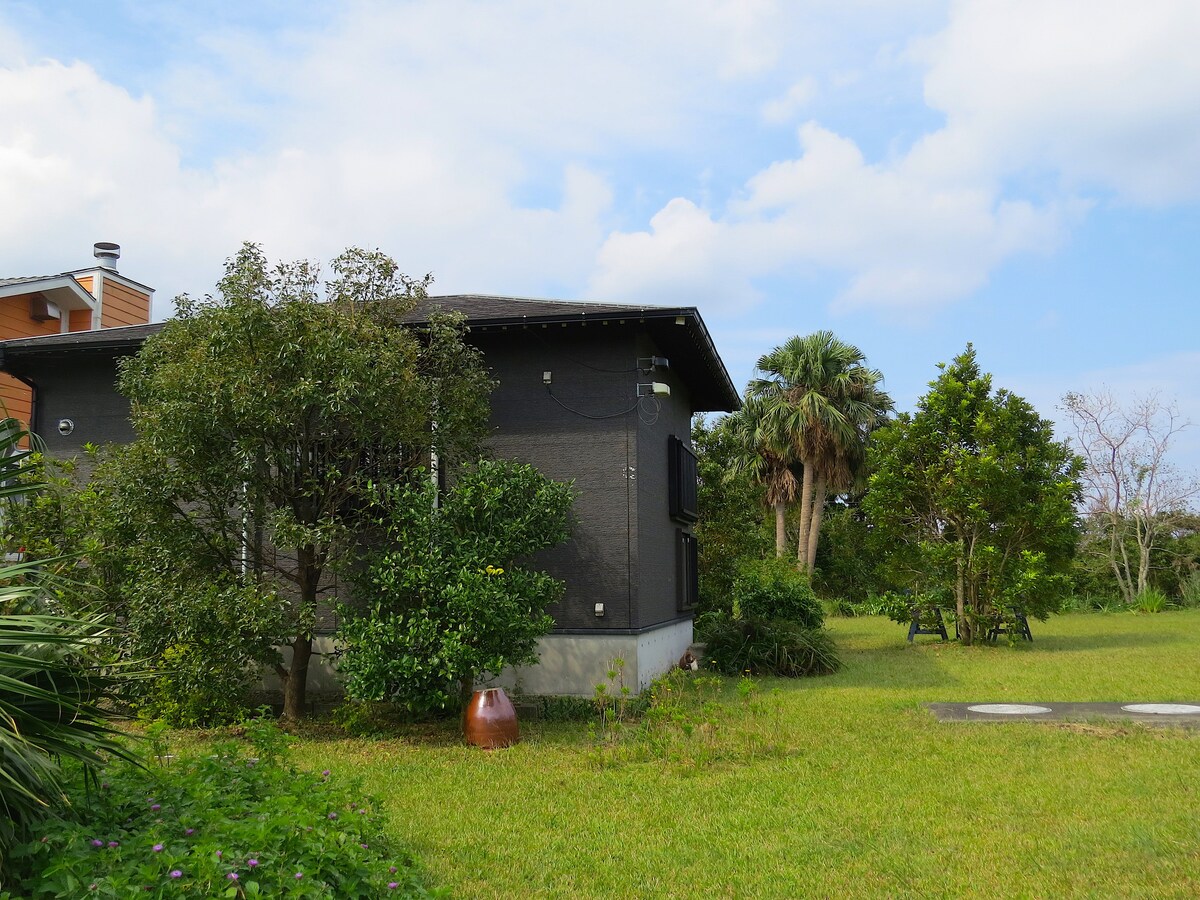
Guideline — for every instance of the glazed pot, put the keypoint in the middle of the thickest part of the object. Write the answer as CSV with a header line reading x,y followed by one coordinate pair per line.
x,y
490,721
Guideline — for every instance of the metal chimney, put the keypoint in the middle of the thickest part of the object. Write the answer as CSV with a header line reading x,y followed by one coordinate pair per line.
x,y
107,253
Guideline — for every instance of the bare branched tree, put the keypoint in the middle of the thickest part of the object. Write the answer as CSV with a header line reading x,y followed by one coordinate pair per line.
x,y
1132,494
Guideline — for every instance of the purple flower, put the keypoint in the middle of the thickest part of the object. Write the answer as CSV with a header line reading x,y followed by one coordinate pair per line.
x,y
154,807
333,815
392,869
218,854
232,876
325,774
252,863
158,848
299,875
364,846
188,832
392,885
104,786
96,842
175,873
112,844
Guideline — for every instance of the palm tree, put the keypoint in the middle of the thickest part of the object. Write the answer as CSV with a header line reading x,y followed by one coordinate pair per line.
x,y
767,458
818,392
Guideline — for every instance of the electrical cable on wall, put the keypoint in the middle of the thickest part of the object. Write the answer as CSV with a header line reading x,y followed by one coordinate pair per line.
x,y
577,412
644,414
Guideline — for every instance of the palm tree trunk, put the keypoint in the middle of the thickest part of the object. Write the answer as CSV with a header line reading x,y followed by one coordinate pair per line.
x,y
806,492
814,526
780,528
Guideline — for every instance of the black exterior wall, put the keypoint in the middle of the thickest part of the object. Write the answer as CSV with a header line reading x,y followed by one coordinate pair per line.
x,y
588,426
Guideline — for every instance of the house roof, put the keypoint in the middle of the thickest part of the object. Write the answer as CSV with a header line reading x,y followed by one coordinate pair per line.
x,y
679,332
62,289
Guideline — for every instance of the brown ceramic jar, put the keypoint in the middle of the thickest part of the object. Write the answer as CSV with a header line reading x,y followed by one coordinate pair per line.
x,y
490,721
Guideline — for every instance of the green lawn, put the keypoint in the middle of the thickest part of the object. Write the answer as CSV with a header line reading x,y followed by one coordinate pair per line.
x,y
853,790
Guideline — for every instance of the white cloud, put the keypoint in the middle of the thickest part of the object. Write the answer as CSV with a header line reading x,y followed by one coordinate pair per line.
x,y
1102,92
492,143
903,240
782,109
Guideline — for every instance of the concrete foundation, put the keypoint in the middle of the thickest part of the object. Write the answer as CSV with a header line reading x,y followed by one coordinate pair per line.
x,y
571,664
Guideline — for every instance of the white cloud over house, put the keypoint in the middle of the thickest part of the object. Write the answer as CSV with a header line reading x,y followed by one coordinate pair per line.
x,y
522,146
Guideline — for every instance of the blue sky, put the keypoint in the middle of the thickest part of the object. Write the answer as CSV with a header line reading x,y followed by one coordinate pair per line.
x,y
1022,174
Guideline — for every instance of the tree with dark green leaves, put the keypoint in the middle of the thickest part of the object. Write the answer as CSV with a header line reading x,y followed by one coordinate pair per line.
x,y
731,499
821,400
976,499
264,413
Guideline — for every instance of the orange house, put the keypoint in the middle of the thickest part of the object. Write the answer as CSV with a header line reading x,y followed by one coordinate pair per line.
x,y
81,300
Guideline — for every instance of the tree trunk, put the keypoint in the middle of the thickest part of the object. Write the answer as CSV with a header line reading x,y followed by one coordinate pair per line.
x,y
296,683
960,599
295,686
806,491
780,528
814,525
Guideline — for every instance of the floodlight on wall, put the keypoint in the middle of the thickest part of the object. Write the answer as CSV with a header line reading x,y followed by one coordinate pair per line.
x,y
650,363
654,389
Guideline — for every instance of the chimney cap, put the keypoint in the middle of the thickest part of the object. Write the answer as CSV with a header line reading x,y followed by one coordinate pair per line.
x,y
108,253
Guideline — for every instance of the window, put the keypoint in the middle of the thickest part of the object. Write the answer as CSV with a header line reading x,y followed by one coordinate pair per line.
x,y
687,574
681,478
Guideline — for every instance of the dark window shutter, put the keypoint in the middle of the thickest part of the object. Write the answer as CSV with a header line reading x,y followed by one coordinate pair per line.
x,y
687,557
681,480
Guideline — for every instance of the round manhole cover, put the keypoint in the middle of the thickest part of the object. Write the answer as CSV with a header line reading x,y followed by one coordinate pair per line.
x,y
1009,709
1163,709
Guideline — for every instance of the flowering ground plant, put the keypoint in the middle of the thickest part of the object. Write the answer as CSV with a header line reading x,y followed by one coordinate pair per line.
x,y
229,821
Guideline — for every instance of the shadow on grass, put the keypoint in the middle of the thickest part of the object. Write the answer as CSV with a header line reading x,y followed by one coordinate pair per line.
x,y
896,668
1108,640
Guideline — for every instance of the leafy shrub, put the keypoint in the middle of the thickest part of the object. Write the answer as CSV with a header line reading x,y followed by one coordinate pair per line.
x,y
221,823
1151,600
204,639
452,598
769,647
773,589
52,708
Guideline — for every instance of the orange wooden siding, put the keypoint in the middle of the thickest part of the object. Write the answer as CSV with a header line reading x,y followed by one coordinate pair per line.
x,y
15,321
16,398
123,306
80,320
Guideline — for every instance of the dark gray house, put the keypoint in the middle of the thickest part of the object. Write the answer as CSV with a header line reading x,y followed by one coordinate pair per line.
x,y
597,393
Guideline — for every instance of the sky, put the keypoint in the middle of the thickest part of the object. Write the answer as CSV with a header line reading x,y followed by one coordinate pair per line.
x,y
913,175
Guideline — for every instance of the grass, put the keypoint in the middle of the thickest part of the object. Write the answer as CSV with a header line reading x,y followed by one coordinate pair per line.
x,y
836,786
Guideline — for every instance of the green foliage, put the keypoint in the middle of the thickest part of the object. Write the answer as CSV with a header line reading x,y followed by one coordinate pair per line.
x,y
849,559
769,647
818,399
188,826
55,698
731,527
451,595
773,589
682,718
1189,593
976,499
262,414
1151,600
55,691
